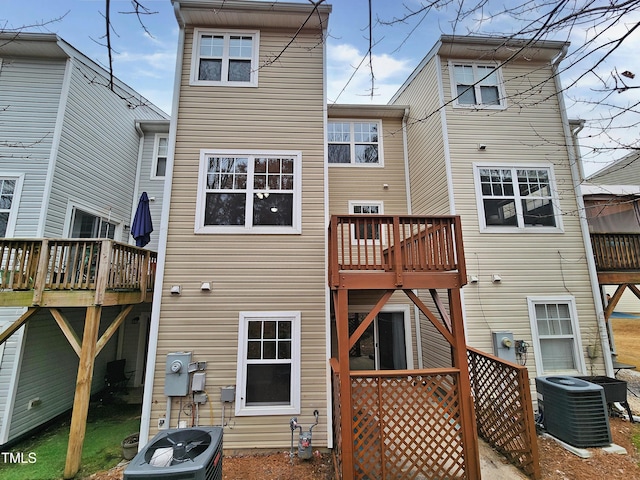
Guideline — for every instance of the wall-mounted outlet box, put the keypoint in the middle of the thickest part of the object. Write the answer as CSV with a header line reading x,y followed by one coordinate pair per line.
x,y
200,398
228,394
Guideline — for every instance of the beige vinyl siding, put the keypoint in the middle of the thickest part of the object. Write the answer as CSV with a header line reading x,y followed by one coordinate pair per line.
x,y
540,264
366,182
248,272
427,167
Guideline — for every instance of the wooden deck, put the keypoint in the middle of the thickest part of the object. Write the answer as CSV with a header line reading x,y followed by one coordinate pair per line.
x,y
392,252
74,272
617,257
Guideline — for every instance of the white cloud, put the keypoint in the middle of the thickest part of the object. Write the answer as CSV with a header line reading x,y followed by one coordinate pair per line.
x,y
345,86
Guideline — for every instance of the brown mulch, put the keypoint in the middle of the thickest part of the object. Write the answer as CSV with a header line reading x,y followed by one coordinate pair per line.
x,y
556,463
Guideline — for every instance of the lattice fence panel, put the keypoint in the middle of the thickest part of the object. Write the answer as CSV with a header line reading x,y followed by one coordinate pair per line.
x,y
503,409
337,425
407,427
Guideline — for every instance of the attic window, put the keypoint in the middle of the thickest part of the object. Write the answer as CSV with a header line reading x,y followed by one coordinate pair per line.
x,y
225,58
477,85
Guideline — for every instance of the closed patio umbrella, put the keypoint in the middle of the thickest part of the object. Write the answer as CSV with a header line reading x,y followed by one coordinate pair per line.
x,y
142,225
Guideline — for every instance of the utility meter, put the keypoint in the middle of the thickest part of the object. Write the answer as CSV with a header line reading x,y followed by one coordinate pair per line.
x,y
176,383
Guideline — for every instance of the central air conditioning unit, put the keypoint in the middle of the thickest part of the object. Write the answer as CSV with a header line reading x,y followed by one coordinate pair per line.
x,y
180,454
574,411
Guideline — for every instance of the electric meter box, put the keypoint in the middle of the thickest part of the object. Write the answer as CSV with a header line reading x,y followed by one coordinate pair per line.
x,y
504,346
176,381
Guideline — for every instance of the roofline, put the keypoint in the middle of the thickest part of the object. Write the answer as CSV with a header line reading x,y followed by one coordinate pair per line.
x,y
384,111
474,40
69,51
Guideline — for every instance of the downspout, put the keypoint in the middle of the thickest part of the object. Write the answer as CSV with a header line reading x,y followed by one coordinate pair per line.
x,y
327,219
147,399
572,151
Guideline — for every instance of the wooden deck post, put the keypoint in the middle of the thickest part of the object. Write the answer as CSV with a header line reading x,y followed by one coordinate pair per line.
x,y
469,432
342,326
83,391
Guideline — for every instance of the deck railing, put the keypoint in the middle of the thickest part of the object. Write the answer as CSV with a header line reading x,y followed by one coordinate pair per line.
x,y
399,244
616,251
74,265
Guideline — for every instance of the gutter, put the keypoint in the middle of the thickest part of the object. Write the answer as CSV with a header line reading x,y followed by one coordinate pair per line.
x,y
572,151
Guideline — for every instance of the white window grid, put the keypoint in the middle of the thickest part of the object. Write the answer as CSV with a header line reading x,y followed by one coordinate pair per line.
x,y
481,79
556,318
356,133
532,184
160,156
242,409
286,179
225,46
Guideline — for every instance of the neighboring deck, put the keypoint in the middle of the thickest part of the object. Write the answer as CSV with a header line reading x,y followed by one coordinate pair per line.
x,y
395,252
74,273
617,257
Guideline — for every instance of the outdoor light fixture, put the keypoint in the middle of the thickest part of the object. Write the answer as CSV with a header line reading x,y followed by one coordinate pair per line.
x,y
176,289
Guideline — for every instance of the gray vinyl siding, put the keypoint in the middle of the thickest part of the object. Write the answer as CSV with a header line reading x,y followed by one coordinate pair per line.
x,y
153,186
366,183
531,263
248,272
426,143
30,89
8,359
98,151
50,366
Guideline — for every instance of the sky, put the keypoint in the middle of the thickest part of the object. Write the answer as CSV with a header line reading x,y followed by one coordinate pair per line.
x,y
146,61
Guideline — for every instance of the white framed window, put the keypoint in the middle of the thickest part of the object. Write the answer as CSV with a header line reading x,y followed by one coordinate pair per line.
x,y
517,199
160,152
268,377
366,232
225,58
249,192
556,335
477,85
10,189
355,143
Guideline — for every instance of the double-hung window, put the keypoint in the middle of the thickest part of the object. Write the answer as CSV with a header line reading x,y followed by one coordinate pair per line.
x,y
516,198
249,192
225,58
477,85
10,188
354,143
160,149
556,335
268,376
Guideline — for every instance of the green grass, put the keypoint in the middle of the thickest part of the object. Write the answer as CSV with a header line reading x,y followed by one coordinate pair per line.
x,y
107,426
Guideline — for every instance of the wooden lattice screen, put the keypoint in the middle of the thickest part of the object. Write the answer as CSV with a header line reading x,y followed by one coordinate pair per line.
x,y
407,426
337,415
504,411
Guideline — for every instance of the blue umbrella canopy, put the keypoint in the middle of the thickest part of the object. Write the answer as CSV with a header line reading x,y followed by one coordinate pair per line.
x,y
142,225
